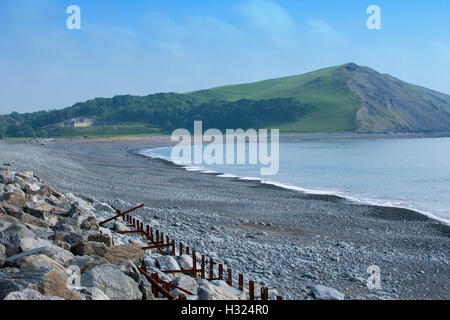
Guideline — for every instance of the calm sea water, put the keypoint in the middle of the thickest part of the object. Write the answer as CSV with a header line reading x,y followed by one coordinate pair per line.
x,y
409,173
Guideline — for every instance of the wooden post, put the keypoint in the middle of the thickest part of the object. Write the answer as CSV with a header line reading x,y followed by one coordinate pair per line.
x,y
230,278
251,288
241,282
211,269
181,248
220,271
173,248
202,274
194,263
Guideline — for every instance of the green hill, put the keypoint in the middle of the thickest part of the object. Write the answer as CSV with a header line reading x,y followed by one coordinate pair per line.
x,y
347,98
334,105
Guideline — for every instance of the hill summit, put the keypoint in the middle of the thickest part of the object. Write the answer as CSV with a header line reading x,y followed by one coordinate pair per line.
x,y
346,98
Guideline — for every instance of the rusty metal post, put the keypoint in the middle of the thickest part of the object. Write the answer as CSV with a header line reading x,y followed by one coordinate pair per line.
x,y
162,238
182,297
148,232
241,282
263,293
202,273
156,277
167,239
181,248
194,263
151,235
211,268
187,250
220,271
173,248
157,236
279,298
142,227
230,278
251,289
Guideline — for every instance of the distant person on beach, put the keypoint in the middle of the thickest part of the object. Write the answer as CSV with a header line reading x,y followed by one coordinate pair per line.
x,y
148,160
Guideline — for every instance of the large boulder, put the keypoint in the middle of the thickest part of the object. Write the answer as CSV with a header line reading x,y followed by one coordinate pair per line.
x,y
185,262
6,176
113,282
11,237
23,217
167,263
97,237
132,252
47,281
185,282
15,198
86,262
50,249
38,261
208,291
90,223
90,293
39,210
31,187
29,295
321,292
90,248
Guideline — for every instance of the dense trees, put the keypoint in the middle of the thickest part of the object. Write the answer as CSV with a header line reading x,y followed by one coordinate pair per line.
x,y
163,110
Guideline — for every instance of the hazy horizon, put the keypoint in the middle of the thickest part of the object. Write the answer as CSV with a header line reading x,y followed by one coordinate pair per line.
x,y
174,46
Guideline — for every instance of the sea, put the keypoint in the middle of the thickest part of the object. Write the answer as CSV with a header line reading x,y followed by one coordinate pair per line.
x,y
411,173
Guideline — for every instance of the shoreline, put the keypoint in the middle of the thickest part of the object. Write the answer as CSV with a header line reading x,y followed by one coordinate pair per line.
x,y
303,190
306,239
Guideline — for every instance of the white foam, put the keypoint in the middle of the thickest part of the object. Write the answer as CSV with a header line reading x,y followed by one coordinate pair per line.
x,y
360,200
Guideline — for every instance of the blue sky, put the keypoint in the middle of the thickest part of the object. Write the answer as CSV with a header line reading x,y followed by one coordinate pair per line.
x,y
142,47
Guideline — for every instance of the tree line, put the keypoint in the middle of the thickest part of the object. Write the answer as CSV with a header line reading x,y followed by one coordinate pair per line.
x,y
166,111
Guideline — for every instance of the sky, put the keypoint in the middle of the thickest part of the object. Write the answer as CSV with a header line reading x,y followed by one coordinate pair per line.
x,y
143,47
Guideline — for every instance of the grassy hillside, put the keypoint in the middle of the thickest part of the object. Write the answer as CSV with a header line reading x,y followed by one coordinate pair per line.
x,y
334,107
347,98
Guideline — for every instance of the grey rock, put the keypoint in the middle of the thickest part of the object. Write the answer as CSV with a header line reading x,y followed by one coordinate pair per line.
x,y
29,295
321,292
113,282
167,263
91,293
6,176
185,262
47,281
90,223
11,237
187,283
51,250
90,248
